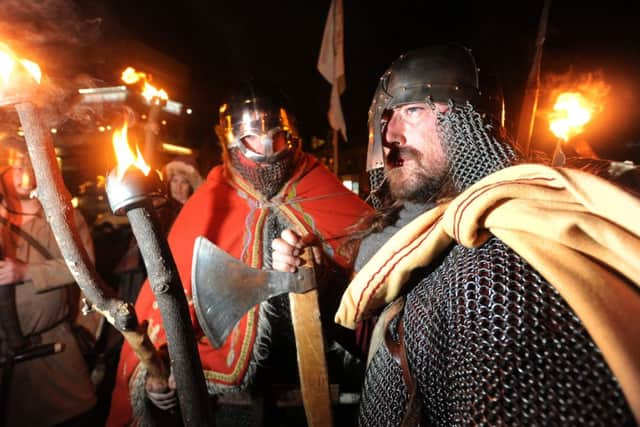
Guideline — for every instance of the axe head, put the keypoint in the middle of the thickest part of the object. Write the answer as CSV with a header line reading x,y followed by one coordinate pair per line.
x,y
224,288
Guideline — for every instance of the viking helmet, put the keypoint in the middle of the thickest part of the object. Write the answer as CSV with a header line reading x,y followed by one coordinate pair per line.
x,y
431,74
257,109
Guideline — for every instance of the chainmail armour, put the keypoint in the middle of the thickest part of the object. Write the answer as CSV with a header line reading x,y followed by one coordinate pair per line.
x,y
488,340
472,150
267,178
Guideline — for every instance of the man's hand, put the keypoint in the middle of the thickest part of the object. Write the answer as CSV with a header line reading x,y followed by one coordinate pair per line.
x,y
288,250
162,394
13,271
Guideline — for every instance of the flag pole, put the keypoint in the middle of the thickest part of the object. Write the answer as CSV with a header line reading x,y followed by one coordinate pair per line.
x,y
335,139
331,66
532,90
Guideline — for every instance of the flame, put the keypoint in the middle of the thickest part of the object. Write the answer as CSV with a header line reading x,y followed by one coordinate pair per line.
x,y
571,112
8,62
125,156
577,100
131,76
33,69
150,93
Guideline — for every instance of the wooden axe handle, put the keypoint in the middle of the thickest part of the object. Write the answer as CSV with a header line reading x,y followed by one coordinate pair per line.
x,y
312,361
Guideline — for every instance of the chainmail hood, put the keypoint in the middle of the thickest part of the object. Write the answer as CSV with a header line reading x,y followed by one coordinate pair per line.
x,y
267,178
472,147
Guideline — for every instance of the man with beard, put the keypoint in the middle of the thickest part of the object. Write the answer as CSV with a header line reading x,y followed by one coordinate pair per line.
x,y
54,389
477,335
266,184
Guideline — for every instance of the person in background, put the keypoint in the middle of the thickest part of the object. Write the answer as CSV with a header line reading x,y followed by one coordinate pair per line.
x,y
54,389
182,179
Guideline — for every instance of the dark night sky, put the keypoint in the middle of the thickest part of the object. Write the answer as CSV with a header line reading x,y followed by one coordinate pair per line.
x,y
224,41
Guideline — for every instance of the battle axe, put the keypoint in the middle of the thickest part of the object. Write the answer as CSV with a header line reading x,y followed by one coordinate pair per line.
x,y
224,289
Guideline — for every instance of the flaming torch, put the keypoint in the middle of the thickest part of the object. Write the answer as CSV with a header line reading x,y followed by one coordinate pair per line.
x,y
17,89
132,189
572,111
16,77
156,98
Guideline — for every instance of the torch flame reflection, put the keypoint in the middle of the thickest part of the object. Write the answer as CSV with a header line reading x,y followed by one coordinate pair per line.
x,y
8,62
571,112
125,156
131,76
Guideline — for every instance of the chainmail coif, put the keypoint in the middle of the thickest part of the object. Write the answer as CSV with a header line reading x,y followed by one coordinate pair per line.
x,y
488,340
267,178
471,146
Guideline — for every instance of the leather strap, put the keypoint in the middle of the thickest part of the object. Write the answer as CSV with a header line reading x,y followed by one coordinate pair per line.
x,y
413,408
28,237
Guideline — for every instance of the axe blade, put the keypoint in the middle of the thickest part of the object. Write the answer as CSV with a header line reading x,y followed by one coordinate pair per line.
x,y
224,288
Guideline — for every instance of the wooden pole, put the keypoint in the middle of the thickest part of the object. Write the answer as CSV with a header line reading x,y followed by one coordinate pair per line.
x,y
335,139
56,202
312,359
172,303
532,90
151,131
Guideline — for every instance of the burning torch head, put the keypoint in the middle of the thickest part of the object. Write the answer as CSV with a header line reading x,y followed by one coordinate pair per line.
x,y
257,120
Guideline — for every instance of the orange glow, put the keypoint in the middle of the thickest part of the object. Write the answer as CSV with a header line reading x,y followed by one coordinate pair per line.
x,y
9,61
150,93
571,112
25,179
125,156
577,101
131,76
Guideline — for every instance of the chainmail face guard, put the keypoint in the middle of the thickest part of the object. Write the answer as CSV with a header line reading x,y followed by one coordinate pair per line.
x,y
490,342
267,178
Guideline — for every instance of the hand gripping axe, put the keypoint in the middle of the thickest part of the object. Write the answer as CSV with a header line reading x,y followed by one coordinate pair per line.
x,y
224,289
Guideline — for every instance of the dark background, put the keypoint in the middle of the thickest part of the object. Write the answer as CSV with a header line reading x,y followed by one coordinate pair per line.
x,y
216,43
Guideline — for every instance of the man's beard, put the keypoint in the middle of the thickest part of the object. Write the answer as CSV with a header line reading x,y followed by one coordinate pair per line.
x,y
412,181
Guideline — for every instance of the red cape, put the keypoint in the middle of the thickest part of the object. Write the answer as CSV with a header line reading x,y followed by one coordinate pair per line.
x,y
230,213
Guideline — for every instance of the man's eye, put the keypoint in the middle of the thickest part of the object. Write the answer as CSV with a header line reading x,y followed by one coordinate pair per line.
x,y
414,111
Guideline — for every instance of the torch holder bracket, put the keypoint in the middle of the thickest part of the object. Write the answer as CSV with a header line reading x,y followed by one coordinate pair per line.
x,y
134,189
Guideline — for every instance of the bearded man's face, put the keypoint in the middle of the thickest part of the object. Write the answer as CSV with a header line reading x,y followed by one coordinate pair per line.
x,y
416,165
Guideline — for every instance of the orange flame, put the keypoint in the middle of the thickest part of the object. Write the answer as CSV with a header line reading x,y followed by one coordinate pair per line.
x,y
571,112
124,156
578,100
8,62
131,76
150,93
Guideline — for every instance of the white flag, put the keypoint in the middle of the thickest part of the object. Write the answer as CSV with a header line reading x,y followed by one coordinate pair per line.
x,y
331,64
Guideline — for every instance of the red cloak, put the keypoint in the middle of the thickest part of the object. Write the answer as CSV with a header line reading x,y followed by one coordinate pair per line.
x,y
230,213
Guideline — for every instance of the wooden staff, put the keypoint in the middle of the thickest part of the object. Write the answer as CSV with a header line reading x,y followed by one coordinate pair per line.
x,y
56,202
532,90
